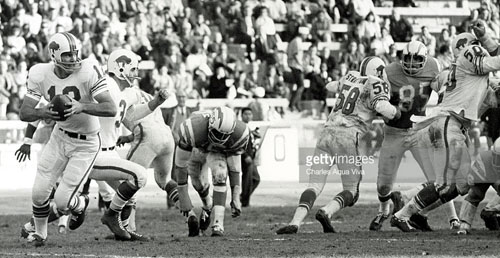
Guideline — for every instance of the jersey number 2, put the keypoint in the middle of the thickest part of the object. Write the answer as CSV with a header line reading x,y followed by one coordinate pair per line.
x,y
122,105
348,103
75,93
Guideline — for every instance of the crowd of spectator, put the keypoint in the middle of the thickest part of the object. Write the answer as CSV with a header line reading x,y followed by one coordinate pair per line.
x,y
219,49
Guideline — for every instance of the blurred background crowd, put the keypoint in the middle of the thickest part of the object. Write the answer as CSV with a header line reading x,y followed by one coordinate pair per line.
x,y
221,49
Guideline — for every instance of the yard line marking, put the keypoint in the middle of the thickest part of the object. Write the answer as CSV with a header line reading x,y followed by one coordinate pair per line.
x,y
75,255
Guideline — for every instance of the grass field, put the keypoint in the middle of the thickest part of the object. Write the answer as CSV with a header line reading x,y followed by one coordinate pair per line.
x,y
250,235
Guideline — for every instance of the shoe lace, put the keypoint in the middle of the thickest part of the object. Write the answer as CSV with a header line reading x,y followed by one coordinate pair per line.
x,y
120,224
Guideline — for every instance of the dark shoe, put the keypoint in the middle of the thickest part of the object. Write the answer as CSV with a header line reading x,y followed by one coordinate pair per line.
x,y
490,219
204,219
288,229
77,219
402,224
419,221
235,209
378,221
112,219
193,226
325,221
28,228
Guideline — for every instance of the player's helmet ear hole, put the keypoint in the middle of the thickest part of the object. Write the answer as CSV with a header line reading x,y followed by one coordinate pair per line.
x,y
121,70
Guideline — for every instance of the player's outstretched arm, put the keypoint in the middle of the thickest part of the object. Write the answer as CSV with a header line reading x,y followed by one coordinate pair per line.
x,y
487,42
104,107
30,113
139,111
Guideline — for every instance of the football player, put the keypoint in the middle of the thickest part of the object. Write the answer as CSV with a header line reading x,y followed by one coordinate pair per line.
x,y
215,139
152,144
362,95
412,82
125,176
445,130
485,172
75,142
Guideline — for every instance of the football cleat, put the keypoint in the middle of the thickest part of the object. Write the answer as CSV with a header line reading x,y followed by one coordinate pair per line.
x,y
288,229
397,200
402,224
193,226
454,224
205,219
420,222
235,209
77,219
62,229
464,229
378,221
217,231
490,219
325,221
112,220
37,240
28,228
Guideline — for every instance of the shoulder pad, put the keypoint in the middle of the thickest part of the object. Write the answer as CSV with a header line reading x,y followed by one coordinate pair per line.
x,y
38,71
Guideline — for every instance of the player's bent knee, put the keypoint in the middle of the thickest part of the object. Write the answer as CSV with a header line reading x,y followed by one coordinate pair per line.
x,y
475,196
307,199
384,190
346,198
219,173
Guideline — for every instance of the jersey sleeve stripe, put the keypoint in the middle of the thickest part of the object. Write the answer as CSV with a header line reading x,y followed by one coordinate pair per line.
x,y
240,142
189,127
35,97
34,93
98,82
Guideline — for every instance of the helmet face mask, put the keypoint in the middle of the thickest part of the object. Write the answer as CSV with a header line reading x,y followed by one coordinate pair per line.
x,y
64,51
221,125
414,58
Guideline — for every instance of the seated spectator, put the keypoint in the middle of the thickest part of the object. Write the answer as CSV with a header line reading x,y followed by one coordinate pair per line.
x,y
392,55
220,21
386,39
362,8
173,59
445,56
429,40
277,9
368,29
162,79
328,59
15,41
264,22
343,12
400,28
273,84
465,26
321,27
352,58
201,28
444,38
312,61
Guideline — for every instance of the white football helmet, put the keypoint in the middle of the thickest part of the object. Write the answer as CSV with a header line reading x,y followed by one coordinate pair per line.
x,y
414,57
373,66
461,41
221,124
496,154
124,64
64,42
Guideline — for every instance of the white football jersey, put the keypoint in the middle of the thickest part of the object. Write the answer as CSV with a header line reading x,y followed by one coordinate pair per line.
x,y
110,125
82,85
468,81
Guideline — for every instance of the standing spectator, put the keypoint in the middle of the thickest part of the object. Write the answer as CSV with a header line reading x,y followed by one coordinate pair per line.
x,y
127,9
64,20
295,62
465,26
173,58
312,62
35,19
163,80
218,87
264,22
352,57
445,56
6,85
444,38
183,81
15,41
154,21
368,29
220,20
174,116
428,40
201,28
249,174
392,55
400,28
328,59
244,28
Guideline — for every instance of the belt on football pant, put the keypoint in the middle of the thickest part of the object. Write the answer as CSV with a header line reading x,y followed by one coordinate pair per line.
x,y
108,149
74,135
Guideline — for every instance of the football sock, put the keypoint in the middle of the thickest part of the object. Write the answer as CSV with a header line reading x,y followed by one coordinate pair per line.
x,y
206,199
431,207
409,209
77,204
63,221
219,203
467,212
384,203
41,214
218,212
123,194
408,194
331,208
172,192
450,210
299,216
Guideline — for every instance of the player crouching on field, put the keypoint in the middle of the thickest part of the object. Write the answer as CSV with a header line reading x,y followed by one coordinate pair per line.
x,y
216,139
362,95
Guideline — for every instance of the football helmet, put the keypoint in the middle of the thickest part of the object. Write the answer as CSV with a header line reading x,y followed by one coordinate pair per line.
x,y
461,41
221,125
373,66
124,64
496,154
414,57
64,42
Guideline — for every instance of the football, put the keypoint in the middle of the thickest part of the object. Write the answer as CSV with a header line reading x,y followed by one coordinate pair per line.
x,y
59,105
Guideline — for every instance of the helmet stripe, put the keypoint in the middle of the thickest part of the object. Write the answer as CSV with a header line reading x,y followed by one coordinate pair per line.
x,y
220,115
364,64
71,41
